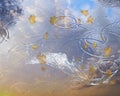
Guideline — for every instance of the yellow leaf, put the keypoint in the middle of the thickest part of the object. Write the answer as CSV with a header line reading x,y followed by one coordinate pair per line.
x,y
107,51
62,17
90,20
92,70
94,45
35,46
53,20
85,45
42,58
85,12
108,73
45,36
32,19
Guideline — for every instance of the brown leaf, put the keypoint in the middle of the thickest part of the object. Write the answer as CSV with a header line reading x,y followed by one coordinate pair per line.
x,y
45,36
92,70
42,58
108,73
85,45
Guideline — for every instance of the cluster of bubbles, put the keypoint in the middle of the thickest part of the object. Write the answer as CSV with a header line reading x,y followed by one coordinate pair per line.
x,y
9,12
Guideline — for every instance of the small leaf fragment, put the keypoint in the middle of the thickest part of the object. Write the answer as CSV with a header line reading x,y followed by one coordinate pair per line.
x,y
85,12
35,46
45,36
107,51
85,45
94,45
79,21
43,68
62,17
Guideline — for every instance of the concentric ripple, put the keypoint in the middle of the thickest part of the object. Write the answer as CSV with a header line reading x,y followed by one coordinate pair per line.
x,y
112,3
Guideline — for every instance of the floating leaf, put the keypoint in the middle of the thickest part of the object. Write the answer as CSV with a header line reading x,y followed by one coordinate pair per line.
x,y
107,51
85,12
45,36
85,45
43,68
108,73
90,20
53,20
35,46
92,70
94,45
79,21
32,19
42,58
62,17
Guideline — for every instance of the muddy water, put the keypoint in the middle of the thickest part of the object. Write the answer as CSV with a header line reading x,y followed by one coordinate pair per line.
x,y
30,80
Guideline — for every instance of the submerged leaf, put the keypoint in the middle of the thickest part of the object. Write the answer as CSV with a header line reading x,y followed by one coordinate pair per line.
x,y
45,36
43,68
107,51
92,70
42,58
85,45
